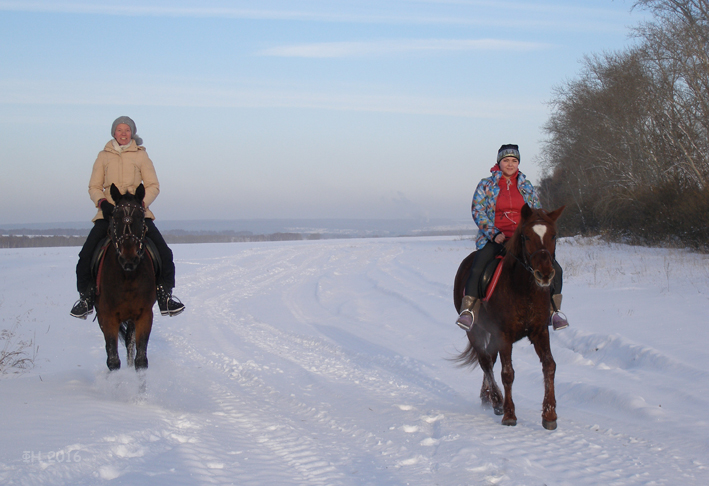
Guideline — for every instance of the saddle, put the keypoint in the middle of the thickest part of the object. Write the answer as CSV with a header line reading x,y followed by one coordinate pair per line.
x,y
488,278
100,253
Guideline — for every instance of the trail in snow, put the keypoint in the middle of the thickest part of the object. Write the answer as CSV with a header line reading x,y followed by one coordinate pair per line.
x,y
325,363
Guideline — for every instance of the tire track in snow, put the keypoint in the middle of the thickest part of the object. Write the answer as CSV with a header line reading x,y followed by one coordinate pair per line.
x,y
437,440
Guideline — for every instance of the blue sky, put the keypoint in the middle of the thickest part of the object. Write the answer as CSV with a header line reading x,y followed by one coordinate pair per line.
x,y
285,109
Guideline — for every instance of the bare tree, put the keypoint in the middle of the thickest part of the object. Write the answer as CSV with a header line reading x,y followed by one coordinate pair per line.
x,y
628,140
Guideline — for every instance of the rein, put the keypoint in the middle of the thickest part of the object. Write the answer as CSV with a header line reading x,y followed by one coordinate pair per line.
x,y
127,234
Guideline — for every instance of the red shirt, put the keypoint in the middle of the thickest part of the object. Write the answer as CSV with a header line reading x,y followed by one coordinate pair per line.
x,y
508,205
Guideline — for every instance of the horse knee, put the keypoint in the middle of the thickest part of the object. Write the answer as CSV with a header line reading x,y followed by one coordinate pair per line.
x,y
549,365
508,374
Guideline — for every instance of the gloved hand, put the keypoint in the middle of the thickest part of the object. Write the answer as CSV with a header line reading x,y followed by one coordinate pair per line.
x,y
106,208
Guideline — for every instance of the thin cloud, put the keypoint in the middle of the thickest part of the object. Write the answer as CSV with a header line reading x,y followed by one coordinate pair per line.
x,y
401,12
381,48
121,9
204,95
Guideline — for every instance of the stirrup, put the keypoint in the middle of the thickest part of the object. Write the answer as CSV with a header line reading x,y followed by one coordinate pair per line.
x,y
84,307
558,321
169,305
174,307
81,309
465,321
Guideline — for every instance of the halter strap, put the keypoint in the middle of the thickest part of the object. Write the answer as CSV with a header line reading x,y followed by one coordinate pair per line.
x,y
128,210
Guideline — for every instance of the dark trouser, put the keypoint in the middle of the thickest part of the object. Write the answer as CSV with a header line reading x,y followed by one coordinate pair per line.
x,y
83,268
84,278
487,254
482,257
167,272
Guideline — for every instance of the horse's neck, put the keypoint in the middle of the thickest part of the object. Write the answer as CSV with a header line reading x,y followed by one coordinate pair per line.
x,y
520,278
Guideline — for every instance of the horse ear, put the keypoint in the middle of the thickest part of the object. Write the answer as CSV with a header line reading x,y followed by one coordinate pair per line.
x,y
140,192
115,194
554,215
526,211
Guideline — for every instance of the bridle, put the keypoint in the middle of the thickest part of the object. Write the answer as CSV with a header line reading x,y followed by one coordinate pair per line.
x,y
527,257
128,210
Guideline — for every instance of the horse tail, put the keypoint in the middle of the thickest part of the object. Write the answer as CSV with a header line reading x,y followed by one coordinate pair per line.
x,y
126,331
469,357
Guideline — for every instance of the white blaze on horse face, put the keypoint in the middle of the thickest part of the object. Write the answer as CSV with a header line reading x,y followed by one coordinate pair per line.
x,y
541,230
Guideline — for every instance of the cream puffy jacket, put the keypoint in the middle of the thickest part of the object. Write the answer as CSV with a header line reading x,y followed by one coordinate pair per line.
x,y
126,169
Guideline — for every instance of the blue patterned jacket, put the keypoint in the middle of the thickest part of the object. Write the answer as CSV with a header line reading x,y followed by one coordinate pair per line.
x,y
485,199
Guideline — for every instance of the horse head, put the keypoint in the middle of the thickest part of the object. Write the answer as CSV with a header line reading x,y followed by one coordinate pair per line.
x,y
127,227
534,243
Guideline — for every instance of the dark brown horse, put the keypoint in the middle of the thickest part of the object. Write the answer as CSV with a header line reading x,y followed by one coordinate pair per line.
x,y
126,283
519,307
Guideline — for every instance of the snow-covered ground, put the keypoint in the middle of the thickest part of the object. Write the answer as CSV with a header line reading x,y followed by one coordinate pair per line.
x,y
326,363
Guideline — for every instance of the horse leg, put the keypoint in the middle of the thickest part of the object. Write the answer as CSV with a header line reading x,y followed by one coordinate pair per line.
x,y
142,333
110,335
508,376
543,349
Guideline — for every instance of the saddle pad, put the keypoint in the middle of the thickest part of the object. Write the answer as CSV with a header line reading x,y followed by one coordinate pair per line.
x,y
492,283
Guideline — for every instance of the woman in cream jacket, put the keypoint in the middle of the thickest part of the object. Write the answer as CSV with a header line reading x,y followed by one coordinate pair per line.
x,y
125,163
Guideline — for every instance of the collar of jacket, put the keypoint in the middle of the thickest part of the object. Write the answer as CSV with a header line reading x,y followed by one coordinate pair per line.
x,y
132,147
497,175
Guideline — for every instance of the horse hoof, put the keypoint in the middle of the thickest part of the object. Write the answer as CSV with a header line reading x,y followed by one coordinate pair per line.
x,y
510,422
549,425
498,410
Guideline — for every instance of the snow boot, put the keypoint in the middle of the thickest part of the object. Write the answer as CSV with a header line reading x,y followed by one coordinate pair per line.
x,y
558,320
169,305
468,308
85,305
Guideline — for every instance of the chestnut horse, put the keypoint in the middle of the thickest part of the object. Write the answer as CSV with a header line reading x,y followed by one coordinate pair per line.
x,y
519,307
126,283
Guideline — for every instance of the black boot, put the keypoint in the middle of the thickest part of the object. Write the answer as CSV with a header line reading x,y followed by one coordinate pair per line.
x,y
169,305
85,305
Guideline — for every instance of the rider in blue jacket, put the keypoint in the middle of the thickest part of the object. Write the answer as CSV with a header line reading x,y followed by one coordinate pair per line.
x,y
496,208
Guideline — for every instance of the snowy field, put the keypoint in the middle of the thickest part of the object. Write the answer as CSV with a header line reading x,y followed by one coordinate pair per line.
x,y
326,363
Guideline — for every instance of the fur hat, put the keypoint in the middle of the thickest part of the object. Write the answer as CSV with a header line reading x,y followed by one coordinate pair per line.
x,y
508,150
133,131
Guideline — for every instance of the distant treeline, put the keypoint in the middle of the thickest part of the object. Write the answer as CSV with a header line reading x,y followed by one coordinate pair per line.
x,y
36,241
628,141
44,238
230,237
19,241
